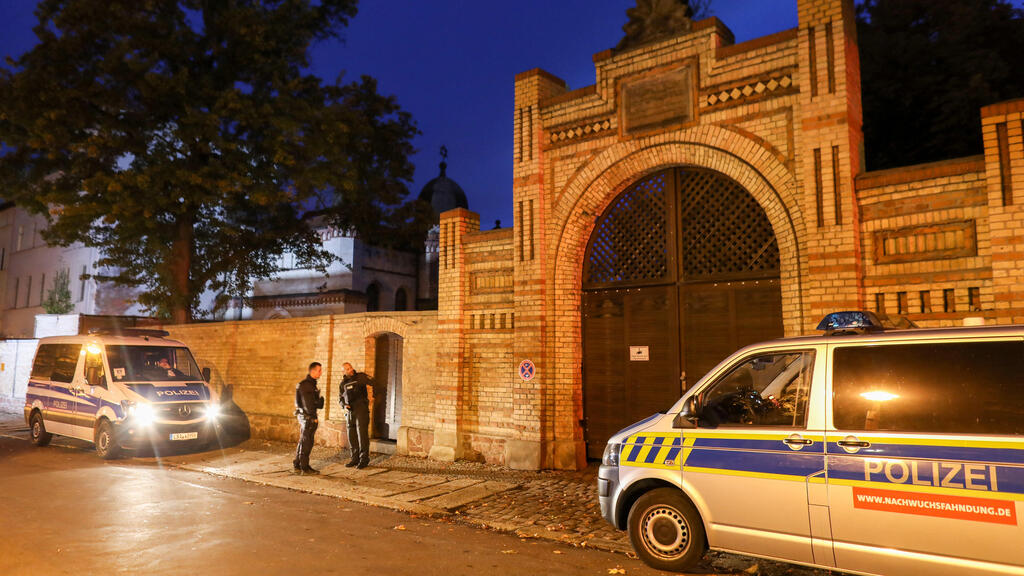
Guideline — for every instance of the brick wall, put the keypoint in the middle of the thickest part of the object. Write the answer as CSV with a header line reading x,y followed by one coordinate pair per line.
x,y
780,115
256,364
926,243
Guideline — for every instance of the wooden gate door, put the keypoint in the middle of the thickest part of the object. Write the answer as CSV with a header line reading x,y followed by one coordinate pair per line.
x,y
728,273
681,270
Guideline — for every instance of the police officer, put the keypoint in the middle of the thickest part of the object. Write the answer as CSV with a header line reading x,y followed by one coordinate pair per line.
x,y
307,400
355,399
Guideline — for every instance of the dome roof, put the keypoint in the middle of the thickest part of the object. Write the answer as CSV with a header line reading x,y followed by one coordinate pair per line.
x,y
443,193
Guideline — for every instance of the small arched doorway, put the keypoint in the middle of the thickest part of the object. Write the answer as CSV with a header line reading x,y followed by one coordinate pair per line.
x,y
681,270
386,413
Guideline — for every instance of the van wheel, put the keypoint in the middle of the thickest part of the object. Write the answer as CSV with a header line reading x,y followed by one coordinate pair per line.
x,y
40,437
106,444
666,530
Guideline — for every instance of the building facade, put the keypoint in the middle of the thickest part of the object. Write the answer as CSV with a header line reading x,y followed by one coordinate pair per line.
x,y
362,277
28,266
701,195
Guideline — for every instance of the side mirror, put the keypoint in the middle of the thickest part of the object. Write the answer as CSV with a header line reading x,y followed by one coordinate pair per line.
x,y
206,374
689,415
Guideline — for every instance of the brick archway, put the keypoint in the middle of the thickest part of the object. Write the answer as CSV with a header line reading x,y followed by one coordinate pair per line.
x,y
595,185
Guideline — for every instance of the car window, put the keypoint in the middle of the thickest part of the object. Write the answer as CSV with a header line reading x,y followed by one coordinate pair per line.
x,y
65,362
958,387
764,390
42,368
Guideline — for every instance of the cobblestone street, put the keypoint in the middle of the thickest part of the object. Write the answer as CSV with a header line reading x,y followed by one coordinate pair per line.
x,y
563,506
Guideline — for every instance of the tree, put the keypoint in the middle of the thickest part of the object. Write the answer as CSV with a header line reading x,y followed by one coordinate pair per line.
x,y
927,68
58,299
188,140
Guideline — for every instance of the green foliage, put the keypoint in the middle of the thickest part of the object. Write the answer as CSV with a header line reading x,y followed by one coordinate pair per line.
x,y
58,299
927,68
189,142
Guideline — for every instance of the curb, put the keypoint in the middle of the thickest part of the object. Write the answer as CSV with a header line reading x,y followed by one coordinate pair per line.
x,y
308,486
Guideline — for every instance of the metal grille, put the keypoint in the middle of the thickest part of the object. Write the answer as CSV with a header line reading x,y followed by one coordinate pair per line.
x,y
630,241
724,232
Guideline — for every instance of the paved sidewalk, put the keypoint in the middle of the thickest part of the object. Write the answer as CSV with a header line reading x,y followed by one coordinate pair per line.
x,y
552,505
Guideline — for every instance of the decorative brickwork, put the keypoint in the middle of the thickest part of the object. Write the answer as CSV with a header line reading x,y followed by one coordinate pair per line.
x,y
780,119
779,116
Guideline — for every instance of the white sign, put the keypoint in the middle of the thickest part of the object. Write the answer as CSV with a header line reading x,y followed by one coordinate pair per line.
x,y
639,354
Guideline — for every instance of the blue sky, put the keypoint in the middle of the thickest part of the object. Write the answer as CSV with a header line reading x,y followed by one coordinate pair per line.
x,y
451,63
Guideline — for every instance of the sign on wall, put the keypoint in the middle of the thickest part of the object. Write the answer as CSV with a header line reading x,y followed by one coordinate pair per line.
x,y
639,354
527,370
657,99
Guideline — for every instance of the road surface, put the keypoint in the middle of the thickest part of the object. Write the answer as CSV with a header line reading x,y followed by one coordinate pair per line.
x,y
65,511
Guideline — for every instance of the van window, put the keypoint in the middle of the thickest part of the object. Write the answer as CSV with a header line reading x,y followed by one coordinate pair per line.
x,y
42,368
152,364
955,388
764,390
65,362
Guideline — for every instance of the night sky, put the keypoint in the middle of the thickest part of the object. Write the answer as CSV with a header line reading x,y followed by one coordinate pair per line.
x,y
452,64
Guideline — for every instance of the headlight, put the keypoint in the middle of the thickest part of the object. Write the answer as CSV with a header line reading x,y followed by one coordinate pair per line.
x,y
212,411
141,414
611,454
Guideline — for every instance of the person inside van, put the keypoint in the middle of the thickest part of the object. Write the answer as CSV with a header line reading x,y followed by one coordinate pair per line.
x,y
162,366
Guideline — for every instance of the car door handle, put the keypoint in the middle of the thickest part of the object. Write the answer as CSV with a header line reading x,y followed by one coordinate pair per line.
x,y
853,443
801,441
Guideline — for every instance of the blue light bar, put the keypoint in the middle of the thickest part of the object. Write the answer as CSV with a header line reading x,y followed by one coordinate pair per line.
x,y
850,321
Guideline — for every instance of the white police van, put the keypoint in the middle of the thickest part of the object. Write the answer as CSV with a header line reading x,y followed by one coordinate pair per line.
x,y
126,390
863,450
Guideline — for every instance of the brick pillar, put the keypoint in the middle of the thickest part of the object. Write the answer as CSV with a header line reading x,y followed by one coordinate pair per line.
x,y
542,413
1003,133
453,288
829,141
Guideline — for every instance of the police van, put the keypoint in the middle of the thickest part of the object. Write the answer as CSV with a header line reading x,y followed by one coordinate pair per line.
x,y
127,390
863,450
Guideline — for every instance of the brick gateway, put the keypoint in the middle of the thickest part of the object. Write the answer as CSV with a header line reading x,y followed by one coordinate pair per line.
x,y
773,126
780,117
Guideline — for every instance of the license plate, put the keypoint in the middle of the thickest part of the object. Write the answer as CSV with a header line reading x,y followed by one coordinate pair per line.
x,y
185,436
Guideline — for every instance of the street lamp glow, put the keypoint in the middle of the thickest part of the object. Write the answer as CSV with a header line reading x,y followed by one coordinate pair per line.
x,y
879,396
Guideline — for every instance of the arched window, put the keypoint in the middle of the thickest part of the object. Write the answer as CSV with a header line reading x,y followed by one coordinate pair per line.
x,y
400,300
373,297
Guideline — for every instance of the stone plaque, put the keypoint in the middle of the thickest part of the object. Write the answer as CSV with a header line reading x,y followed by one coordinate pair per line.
x,y
657,100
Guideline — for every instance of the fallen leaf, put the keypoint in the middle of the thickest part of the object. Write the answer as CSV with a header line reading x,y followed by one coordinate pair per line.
x,y
616,570
400,527
508,551
557,551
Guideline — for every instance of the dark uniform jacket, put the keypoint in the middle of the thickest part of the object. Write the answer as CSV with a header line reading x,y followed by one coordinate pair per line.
x,y
353,389
307,397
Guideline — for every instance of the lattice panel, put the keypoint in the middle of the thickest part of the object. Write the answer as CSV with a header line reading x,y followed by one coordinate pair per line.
x,y
630,241
724,232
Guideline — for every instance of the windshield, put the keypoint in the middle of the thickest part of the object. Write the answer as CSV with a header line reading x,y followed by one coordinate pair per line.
x,y
152,364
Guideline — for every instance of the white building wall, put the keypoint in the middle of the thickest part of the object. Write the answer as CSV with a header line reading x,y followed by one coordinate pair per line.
x,y
30,266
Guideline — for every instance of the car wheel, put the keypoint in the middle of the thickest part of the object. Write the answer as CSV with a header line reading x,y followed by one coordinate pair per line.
x,y
106,445
666,530
40,437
